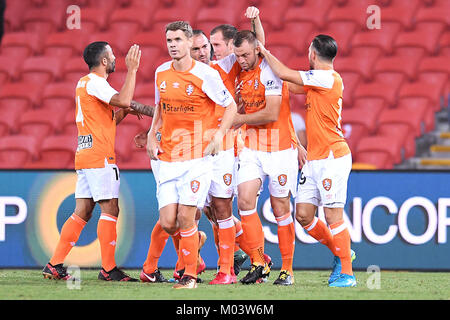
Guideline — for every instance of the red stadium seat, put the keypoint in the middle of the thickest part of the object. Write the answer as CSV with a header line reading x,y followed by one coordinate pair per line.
x,y
403,133
66,44
414,121
375,105
56,152
280,46
17,150
93,20
9,69
20,95
166,14
69,126
363,117
145,93
423,89
130,20
208,18
43,20
360,61
352,12
9,122
351,81
379,38
401,11
41,69
434,64
438,12
444,44
152,45
398,64
380,159
353,133
59,97
119,42
20,45
139,160
298,63
425,37
313,11
274,13
14,14
422,108
107,6
390,145
39,124
342,32
297,103
74,69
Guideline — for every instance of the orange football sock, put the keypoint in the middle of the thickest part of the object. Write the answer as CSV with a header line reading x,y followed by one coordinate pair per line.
x,y
189,250
176,243
251,224
70,233
286,241
319,231
240,238
157,243
107,236
216,235
342,241
227,236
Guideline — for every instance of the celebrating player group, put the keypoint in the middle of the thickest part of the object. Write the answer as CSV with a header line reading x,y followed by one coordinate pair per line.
x,y
219,129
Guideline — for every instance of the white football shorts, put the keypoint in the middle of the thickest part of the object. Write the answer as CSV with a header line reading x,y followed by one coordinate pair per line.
x,y
183,182
324,182
98,183
281,167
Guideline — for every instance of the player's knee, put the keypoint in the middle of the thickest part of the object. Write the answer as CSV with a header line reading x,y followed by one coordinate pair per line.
x,y
168,227
303,218
245,204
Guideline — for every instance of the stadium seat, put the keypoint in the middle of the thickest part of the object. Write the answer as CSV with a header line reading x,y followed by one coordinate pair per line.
x,y
444,44
74,69
298,62
145,93
380,88
9,122
65,44
425,36
438,12
363,117
373,105
14,15
389,145
361,61
352,12
94,20
41,69
43,20
69,126
107,6
420,106
20,45
59,97
297,103
398,64
119,42
434,64
351,81
274,13
56,152
401,11
423,89
378,159
20,95
17,150
208,18
152,45
166,14
280,46
403,133
379,38
39,124
9,69
130,20
342,32
353,133
313,11
139,159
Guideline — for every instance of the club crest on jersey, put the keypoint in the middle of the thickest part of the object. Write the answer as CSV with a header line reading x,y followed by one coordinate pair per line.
x,y
256,85
282,179
227,178
189,89
195,185
326,183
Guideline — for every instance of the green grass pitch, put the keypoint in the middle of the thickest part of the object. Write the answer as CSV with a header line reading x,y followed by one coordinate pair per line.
x,y
18,284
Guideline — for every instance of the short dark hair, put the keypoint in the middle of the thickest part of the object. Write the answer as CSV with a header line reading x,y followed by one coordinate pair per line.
x,y
180,25
325,46
244,35
228,31
94,52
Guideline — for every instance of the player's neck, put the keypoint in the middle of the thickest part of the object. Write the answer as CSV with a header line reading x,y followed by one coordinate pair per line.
x,y
100,72
183,64
323,66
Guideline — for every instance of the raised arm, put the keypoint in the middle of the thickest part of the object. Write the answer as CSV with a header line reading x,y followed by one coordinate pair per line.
x,y
143,108
123,98
253,14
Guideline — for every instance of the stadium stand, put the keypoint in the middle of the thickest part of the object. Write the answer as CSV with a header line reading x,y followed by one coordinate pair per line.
x,y
396,78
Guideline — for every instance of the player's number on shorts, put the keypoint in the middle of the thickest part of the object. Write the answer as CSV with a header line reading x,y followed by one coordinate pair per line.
x,y
117,173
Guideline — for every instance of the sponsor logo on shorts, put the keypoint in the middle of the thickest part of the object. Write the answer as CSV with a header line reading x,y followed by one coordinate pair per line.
x,y
326,183
195,185
282,179
227,178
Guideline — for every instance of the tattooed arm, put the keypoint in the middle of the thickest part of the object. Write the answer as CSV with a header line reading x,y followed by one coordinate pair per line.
x,y
142,108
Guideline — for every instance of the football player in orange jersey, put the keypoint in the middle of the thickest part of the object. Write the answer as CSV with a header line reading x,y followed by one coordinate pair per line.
x,y
271,150
329,161
95,162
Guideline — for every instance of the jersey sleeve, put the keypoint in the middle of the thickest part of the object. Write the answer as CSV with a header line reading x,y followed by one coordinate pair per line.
x,y
157,97
272,84
227,63
321,80
215,89
100,88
